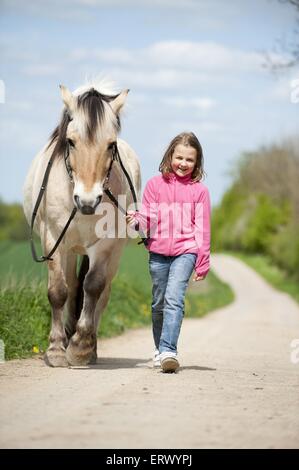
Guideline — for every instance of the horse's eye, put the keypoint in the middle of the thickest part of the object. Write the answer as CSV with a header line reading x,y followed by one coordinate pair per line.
x,y
111,145
71,143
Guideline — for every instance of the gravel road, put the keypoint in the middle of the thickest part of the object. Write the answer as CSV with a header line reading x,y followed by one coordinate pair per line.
x,y
237,386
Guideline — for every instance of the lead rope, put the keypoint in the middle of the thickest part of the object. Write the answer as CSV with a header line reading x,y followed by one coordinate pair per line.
x,y
116,157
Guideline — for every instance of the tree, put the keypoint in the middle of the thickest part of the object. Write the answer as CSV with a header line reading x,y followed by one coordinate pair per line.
x,y
291,47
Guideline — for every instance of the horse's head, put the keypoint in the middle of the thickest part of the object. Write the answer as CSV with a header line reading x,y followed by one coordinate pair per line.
x,y
88,132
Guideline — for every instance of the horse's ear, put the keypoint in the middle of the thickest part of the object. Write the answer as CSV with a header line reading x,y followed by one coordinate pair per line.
x,y
119,101
68,98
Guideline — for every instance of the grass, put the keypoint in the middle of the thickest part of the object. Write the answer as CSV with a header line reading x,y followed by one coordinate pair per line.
x,y
16,264
25,311
271,273
208,295
24,319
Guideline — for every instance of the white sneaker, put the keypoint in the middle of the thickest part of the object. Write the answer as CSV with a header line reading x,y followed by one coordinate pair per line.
x,y
156,359
169,362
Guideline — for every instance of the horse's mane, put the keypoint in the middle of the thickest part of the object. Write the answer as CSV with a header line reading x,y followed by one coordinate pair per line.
x,y
90,101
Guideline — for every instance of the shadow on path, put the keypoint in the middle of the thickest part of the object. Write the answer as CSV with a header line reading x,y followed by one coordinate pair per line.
x,y
109,363
196,368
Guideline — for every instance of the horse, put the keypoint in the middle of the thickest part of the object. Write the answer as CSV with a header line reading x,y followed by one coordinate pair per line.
x,y
70,175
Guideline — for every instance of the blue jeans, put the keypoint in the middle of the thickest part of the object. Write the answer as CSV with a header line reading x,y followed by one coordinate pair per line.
x,y
170,276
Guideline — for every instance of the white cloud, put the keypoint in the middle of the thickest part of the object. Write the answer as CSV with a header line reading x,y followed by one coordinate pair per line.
x,y
150,78
204,56
170,64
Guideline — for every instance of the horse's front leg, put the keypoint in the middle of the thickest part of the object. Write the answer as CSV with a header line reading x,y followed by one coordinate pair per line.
x,y
57,295
82,345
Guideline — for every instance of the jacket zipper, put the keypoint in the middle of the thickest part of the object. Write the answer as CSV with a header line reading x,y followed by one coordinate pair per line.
x,y
172,219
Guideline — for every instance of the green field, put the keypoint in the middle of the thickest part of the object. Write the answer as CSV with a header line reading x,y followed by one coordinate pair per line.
x,y
25,311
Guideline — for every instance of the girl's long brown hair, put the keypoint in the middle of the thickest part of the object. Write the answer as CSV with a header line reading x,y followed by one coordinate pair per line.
x,y
189,140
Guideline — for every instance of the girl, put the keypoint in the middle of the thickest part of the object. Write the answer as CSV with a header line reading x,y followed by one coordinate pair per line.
x,y
175,214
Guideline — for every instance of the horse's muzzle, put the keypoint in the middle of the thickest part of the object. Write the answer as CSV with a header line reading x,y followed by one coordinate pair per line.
x,y
87,209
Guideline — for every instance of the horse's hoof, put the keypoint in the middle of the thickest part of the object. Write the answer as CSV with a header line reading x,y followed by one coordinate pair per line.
x,y
56,358
93,359
78,359
79,354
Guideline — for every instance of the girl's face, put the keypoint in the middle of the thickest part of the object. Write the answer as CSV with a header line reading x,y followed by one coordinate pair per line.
x,y
183,160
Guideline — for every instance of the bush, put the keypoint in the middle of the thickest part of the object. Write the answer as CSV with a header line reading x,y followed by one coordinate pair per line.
x,y
12,222
284,249
229,220
259,213
263,224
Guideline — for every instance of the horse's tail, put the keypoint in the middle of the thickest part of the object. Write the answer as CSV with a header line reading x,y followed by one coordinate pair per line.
x,y
84,267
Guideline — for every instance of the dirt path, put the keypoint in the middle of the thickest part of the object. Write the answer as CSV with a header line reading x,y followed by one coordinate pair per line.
x,y
237,386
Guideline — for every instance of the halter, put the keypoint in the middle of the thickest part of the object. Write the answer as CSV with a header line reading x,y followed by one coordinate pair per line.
x,y
107,190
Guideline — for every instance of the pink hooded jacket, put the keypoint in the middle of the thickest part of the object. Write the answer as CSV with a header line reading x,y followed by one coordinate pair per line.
x,y
175,214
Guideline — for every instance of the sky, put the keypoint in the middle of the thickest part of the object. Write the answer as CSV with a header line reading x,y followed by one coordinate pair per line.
x,y
190,65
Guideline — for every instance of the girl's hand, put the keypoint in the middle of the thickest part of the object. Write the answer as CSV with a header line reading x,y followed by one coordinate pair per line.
x,y
197,277
130,219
